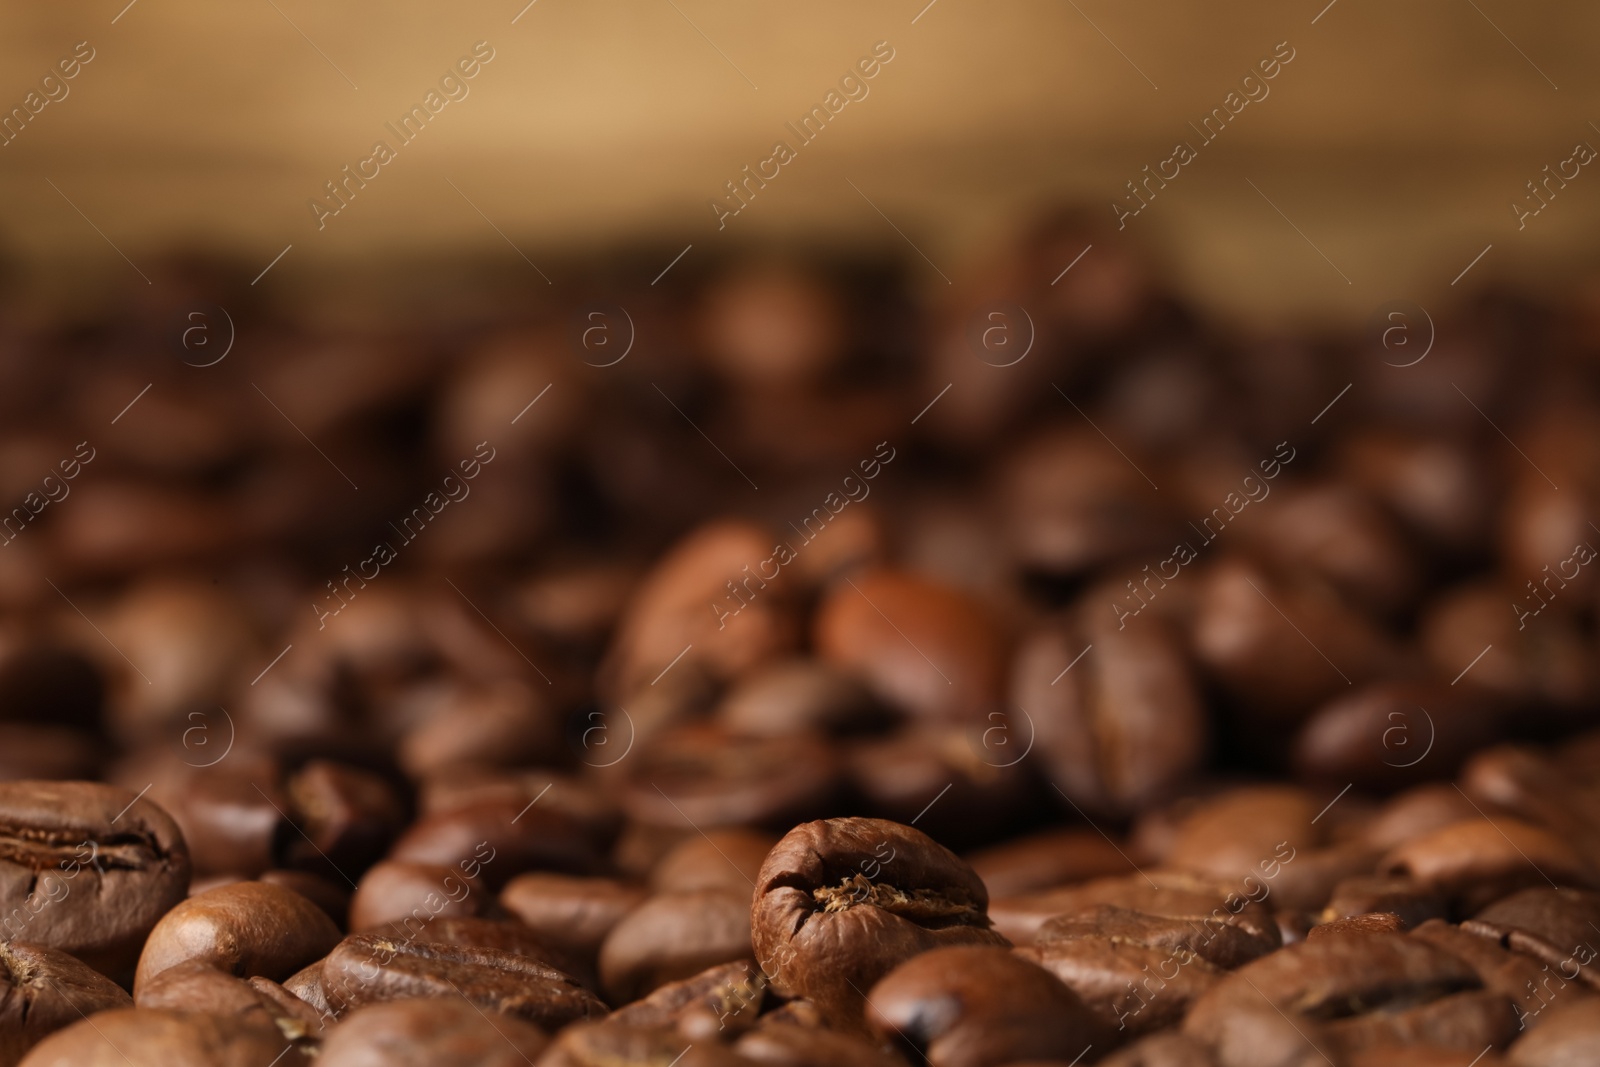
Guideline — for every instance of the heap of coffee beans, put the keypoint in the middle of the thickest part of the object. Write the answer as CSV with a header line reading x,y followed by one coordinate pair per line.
x,y
782,663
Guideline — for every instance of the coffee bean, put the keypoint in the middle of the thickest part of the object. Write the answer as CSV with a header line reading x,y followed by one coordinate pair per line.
x,y
781,1043
720,1001
1246,832
608,1044
840,902
701,776
87,869
1372,922
718,859
169,1038
370,968
922,647
1334,996
420,1033
800,696
1418,811
1529,784
233,815
1409,901
1390,734
504,725
1558,927
1124,727
43,990
1570,1035
1044,860
672,936
1477,861
970,1005
496,840
1530,987
244,929
1167,1049
574,913
346,817
411,895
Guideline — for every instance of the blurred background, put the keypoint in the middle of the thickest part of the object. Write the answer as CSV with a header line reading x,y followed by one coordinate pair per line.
x,y
1396,140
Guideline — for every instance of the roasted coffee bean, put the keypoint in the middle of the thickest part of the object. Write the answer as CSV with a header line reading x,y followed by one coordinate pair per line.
x,y
1558,927
1570,1036
673,936
971,1005
507,724
1327,998
715,1004
369,968
1137,972
708,592
422,1033
1167,1049
1390,734
1265,641
717,859
1418,811
1246,833
779,1042
1046,859
1542,790
902,776
699,776
1173,894
841,902
346,817
332,897
1409,901
1480,860
1372,922
574,913
43,990
196,986
496,840
609,1044
88,869
1530,986
800,696
243,929
1122,729
233,815
144,1036
584,800
922,647
404,895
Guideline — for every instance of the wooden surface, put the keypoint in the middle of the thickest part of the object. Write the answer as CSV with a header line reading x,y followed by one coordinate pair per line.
x,y
1386,157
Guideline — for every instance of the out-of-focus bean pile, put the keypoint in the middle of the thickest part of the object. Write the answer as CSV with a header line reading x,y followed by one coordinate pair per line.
x,y
603,588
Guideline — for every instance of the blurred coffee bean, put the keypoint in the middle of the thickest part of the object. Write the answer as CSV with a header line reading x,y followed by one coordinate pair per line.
x,y
497,840
1389,734
170,1038
717,859
1171,894
1281,649
346,817
1529,986
1480,860
716,1003
709,595
409,895
1570,1035
922,647
701,776
1417,811
1522,781
87,869
419,1033
1121,727
1071,504
800,696
574,913
1046,859
672,936
1410,902
1558,927
1437,486
771,327
970,1005
505,724
245,929
942,779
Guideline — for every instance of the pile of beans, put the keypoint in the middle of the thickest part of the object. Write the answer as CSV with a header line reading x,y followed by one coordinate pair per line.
x,y
787,663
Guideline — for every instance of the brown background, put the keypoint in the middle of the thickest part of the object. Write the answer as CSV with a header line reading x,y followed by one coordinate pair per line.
x,y
1396,139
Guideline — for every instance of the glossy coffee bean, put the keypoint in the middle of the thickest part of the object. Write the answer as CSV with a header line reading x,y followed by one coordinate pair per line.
x,y
922,647
672,936
609,1044
721,1001
701,776
1558,927
970,1005
1531,986
1125,726
841,902
244,929
1173,894
407,896
574,913
1477,861
88,869
43,990
420,1033
369,968
1569,1036
168,1038
1342,994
